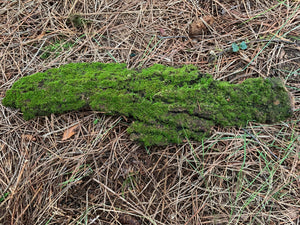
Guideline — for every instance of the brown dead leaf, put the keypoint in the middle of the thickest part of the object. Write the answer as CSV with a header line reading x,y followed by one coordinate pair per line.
x,y
276,102
199,27
128,220
69,132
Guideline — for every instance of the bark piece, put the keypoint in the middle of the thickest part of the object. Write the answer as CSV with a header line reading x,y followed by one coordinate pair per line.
x,y
166,104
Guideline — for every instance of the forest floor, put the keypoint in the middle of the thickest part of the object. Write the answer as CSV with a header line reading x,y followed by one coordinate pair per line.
x,y
82,168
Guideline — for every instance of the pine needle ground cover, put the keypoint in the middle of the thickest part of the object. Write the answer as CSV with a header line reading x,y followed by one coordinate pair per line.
x,y
81,166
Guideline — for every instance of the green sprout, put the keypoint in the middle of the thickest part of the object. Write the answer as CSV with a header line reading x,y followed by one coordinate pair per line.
x,y
4,196
236,48
55,49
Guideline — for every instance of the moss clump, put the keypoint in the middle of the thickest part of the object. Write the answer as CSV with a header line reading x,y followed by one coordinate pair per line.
x,y
166,104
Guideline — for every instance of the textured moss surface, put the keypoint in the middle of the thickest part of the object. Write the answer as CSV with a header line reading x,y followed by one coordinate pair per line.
x,y
166,104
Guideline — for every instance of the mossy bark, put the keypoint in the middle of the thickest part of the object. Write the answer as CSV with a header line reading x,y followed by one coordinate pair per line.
x,y
166,104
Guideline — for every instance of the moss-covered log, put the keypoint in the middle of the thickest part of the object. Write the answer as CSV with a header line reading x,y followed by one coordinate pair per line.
x,y
165,104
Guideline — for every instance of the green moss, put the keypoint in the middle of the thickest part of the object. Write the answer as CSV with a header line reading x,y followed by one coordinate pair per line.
x,y
166,104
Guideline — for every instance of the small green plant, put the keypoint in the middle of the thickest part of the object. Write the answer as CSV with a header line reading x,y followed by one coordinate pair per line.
x,y
96,121
130,182
236,48
55,49
4,196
